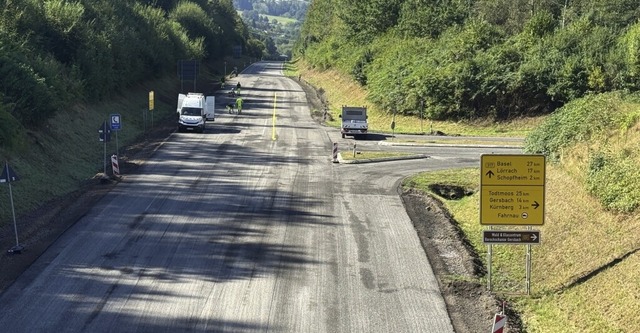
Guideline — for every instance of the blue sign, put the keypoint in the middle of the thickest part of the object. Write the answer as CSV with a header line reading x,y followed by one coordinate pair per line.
x,y
116,122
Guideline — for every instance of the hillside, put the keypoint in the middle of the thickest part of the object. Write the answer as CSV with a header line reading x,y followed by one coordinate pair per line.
x,y
68,65
276,24
466,60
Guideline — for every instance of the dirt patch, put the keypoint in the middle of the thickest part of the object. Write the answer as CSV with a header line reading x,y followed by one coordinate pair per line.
x,y
457,267
317,100
451,192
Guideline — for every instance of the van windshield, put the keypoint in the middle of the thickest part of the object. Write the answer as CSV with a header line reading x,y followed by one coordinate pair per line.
x,y
191,111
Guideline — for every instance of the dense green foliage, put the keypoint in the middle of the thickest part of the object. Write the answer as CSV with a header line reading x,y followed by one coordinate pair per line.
x,y
281,35
584,119
275,23
461,59
613,178
295,9
611,174
56,53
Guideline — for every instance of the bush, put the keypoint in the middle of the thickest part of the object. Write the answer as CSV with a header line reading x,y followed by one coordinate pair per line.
x,y
587,118
614,180
629,45
198,24
11,131
26,90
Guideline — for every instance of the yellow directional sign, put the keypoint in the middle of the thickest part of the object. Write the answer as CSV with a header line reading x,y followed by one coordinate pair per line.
x,y
512,189
151,101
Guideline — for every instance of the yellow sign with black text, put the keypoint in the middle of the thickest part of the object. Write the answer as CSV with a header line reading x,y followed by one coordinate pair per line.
x,y
151,100
512,189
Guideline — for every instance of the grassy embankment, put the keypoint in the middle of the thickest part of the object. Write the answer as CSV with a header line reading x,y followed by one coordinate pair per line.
x,y
340,90
59,158
585,272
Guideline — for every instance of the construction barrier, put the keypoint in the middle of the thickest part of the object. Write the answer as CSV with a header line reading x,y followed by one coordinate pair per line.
x,y
114,165
499,322
335,152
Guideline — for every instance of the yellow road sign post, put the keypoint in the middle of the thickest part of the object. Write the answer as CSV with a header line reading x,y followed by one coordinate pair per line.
x,y
512,189
151,100
512,193
151,104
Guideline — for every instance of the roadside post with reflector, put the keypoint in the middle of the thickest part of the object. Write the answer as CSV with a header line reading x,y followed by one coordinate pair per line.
x,y
499,321
9,176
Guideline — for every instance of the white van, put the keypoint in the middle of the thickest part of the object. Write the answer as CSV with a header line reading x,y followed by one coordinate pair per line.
x,y
194,110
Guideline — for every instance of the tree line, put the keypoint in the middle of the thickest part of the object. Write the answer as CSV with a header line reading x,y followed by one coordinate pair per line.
x,y
469,59
278,37
56,53
295,9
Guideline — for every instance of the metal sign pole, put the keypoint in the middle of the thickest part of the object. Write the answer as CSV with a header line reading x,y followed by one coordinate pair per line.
x,y
528,267
104,158
8,176
489,250
117,148
13,212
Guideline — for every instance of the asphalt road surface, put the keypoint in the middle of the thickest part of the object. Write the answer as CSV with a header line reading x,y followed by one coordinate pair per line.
x,y
247,227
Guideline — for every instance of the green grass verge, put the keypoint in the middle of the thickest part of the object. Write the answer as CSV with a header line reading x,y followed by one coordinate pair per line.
x,y
372,155
456,142
576,287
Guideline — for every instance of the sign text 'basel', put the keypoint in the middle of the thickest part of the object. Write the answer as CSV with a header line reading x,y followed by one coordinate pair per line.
x,y
512,189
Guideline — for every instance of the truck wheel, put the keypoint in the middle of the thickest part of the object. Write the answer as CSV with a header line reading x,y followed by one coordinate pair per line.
x,y
343,136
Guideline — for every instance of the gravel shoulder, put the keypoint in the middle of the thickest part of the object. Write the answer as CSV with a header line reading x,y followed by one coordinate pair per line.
x,y
456,266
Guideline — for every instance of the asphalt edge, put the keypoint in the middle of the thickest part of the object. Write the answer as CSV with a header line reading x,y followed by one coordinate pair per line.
x,y
382,159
